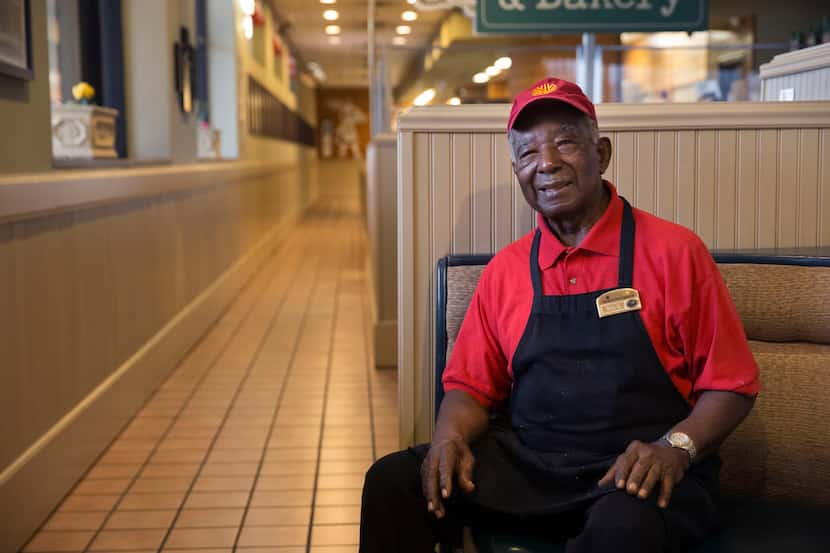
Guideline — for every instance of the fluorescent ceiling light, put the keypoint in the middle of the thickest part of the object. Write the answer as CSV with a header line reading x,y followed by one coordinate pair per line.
x,y
399,40
504,63
403,29
328,1
480,78
330,15
456,101
409,15
425,97
410,1
248,7
332,29
492,71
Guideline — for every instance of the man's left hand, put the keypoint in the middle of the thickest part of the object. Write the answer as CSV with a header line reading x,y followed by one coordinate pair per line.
x,y
643,466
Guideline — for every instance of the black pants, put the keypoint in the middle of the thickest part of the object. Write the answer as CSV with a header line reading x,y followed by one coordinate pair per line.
x,y
394,517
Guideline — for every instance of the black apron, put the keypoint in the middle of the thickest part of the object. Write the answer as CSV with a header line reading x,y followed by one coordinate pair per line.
x,y
584,388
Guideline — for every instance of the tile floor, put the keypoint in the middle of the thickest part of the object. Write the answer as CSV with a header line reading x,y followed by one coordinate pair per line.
x,y
259,440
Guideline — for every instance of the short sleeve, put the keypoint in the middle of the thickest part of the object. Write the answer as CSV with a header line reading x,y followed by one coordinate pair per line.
x,y
713,337
478,364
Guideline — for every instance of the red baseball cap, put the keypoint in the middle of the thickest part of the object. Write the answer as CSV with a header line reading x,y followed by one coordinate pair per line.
x,y
552,89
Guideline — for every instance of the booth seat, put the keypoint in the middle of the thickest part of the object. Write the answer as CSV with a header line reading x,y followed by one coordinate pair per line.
x,y
776,465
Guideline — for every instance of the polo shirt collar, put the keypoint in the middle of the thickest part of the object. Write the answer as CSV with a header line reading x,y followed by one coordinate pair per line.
x,y
603,238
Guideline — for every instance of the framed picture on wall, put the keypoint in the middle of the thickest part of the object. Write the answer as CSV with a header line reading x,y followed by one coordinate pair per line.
x,y
15,40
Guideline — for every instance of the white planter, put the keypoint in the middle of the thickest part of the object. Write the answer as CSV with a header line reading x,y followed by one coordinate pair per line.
x,y
83,131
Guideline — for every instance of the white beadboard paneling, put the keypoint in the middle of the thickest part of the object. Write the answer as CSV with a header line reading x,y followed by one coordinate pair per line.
x,y
747,183
808,189
462,193
726,214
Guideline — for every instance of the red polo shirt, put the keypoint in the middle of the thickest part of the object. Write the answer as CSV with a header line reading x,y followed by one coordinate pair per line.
x,y
687,311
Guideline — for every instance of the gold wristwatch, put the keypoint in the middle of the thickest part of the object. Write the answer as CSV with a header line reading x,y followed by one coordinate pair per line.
x,y
681,440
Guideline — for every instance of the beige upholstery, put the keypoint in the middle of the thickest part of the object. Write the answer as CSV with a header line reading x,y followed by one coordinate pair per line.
x,y
781,451
781,303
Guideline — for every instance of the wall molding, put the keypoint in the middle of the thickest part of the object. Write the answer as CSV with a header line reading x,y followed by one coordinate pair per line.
x,y
632,117
27,196
799,61
36,481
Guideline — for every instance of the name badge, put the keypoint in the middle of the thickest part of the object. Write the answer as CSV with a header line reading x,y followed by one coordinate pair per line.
x,y
621,300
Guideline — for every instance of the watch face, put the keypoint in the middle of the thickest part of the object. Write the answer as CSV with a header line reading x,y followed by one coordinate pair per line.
x,y
679,439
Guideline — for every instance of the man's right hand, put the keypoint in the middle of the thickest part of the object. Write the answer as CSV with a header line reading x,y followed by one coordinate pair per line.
x,y
448,460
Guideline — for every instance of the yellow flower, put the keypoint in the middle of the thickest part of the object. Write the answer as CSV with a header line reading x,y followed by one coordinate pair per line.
x,y
83,91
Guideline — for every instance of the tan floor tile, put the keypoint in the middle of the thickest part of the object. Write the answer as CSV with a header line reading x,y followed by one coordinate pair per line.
x,y
338,497
59,541
336,534
253,536
235,456
210,500
290,482
283,498
189,538
334,549
347,440
209,518
113,471
151,501
191,432
199,550
339,481
89,502
161,485
223,483
344,514
179,456
124,457
229,469
240,443
140,520
170,470
125,540
185,443
273,549
102,487
123,445
346,454
62,520
344,467
292,454
282,468
278,516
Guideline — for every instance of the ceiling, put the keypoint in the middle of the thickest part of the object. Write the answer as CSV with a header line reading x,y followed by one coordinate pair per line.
x,y
345,64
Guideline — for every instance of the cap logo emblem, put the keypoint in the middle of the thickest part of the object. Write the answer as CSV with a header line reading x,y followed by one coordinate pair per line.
x,y
543,89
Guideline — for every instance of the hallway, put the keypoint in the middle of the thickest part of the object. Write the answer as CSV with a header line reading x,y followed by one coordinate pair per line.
x,y
259,440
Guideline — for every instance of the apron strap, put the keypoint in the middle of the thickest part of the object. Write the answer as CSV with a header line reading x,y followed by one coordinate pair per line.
x,y
535,273
626,270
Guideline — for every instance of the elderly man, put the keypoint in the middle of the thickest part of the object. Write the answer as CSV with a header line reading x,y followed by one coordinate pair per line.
x,y
608,342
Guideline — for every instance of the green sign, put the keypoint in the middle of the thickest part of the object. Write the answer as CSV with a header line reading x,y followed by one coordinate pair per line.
x,y
590,16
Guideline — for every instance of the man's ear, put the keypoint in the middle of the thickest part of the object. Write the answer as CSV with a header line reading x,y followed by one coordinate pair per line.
x,y
604,149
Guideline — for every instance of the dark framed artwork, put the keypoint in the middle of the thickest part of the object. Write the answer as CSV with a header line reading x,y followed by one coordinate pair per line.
x,y
15,39
184,54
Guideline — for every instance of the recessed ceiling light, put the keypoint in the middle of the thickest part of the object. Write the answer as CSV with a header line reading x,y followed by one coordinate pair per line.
x,y
403,29
330,15
409,15
504,63
332,29
456,101
328,1
410,1
335,40
399,40
492,71
480,78
425,97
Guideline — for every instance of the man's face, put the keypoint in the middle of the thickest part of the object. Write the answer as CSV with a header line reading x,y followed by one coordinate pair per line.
x,y
558,165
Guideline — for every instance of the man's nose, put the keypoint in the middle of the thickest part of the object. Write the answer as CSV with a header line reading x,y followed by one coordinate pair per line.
x,y
549,161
